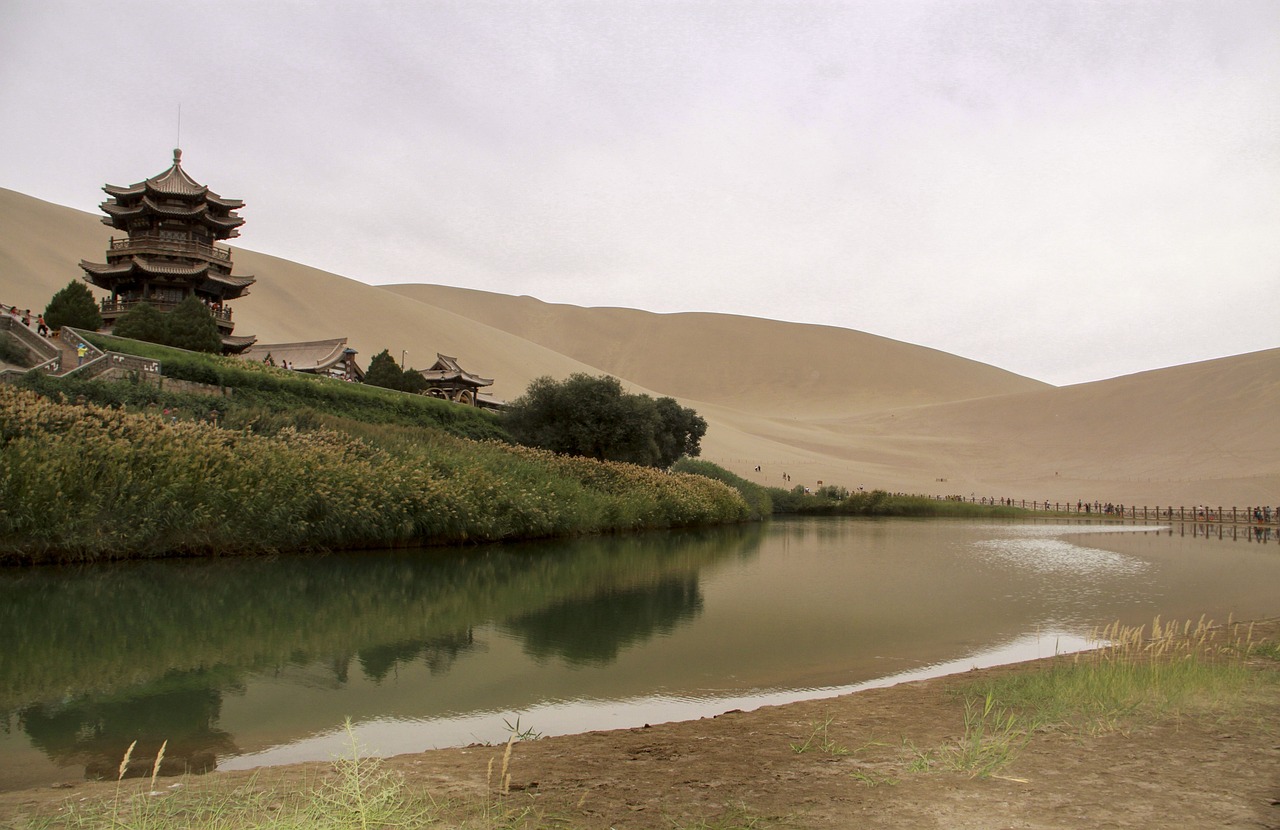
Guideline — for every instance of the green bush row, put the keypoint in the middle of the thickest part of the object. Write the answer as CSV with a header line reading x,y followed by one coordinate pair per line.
x,y
759,499
838,501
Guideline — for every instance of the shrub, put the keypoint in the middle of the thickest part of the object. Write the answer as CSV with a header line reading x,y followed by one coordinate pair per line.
x,y
757,497
142,322
73,306
191,326
384,371
594,417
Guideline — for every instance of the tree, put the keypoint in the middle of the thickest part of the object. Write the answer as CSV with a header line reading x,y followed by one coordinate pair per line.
x,y
142,322
594,417
191,326
73,306
411,380
384,371
680,431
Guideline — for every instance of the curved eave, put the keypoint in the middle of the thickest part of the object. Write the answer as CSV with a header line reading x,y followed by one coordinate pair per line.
x,y
124,192
226,226
463,377
137,264
229,204
104,275
233,281
229,288
234,344
172,182
175,182
223,227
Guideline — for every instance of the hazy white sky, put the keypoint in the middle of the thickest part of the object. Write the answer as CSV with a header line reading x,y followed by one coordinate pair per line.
x,y
1069,190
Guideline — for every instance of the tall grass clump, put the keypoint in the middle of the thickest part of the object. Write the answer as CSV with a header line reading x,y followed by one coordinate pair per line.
x,y
356,793
1138,675
837,501
84,482
757,497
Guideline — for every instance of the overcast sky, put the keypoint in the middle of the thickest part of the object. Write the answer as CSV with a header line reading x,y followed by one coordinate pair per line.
x,y
1069,190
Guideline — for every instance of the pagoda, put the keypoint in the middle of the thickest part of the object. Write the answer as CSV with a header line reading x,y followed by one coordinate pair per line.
x,y
168,255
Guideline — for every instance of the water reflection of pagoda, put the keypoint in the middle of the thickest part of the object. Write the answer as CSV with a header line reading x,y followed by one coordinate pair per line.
x,y
172,222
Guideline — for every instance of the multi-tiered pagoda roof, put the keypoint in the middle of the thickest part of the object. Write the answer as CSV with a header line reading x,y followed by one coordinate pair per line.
x,y
172,222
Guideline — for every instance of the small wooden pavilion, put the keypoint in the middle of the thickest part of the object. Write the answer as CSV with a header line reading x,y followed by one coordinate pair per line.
x,y
172,223
447,380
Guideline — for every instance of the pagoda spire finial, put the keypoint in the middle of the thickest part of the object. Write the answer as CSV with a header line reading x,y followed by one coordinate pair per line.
x,y
177,157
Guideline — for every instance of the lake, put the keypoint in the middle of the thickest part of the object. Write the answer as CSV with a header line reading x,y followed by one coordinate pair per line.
x,y
245,662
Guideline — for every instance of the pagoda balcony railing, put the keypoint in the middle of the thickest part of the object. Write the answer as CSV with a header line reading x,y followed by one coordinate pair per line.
x,y
180,247
118,307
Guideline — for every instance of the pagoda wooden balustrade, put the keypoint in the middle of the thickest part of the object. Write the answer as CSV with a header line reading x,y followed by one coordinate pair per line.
x,y
141,244
222,315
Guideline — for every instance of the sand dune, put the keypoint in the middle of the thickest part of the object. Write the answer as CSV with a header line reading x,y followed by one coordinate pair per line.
x,y
815,402
761,366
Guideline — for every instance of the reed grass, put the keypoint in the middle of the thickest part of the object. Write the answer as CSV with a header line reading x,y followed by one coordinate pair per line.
x,y
356,793
820,740
1136,675
83,482
1139,674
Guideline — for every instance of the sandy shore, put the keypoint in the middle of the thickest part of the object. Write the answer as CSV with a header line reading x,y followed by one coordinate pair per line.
x,y
1213,767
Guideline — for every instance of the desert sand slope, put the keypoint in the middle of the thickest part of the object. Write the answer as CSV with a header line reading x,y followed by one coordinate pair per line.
x,y
814,402
1202,432
293,302
765,367
41,245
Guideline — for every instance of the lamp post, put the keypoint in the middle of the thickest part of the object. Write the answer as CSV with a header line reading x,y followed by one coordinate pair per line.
x,y
402,354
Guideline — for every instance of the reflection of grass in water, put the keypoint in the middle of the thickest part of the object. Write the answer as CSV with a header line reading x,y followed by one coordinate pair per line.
x,y
225,618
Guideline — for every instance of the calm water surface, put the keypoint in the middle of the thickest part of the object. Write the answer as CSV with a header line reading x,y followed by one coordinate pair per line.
x,y
240,663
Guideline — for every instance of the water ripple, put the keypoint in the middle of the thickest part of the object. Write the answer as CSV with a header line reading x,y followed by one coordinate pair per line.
x,y
1051,555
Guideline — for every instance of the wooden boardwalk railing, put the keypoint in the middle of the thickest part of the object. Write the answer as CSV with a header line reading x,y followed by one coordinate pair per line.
x,y
1253,514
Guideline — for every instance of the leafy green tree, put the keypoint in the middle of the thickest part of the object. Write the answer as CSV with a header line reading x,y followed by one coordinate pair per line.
x,y
142,322
411,380
73,306
191,326
384,371
680,431
594,417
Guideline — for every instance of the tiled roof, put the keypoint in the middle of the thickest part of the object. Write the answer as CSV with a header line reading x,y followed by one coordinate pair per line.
x,y
236,344
174,182
447,368
147,266
310,356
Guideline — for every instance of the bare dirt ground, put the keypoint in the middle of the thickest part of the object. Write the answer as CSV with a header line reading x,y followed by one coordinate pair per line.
x,y
861,768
